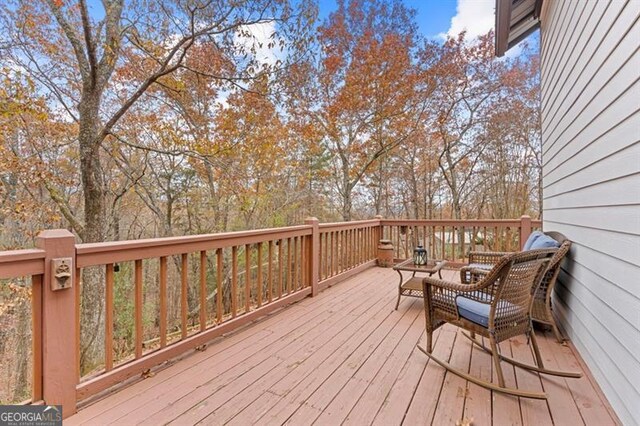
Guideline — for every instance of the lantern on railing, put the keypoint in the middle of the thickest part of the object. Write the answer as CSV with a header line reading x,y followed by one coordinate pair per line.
x,y
419,256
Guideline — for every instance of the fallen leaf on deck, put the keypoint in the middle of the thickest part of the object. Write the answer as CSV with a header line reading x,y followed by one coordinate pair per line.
x,y
147,373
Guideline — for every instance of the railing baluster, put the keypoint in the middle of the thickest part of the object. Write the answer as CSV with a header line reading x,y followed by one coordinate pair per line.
x,y
398,247
234,281
321,261
183,294
108,319
163,301
358,244
259,284
327,255
334,250
303,263
36,335
473,238
219,266
367,243
138,308
288,266
270,272
406,242
484,238
77,295
434,247
280,271
357,249
346,250
351,248
203,290
295,284
343,251
247,278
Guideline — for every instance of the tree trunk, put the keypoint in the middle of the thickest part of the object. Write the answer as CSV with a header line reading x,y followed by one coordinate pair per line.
x,y
90,165
346,191
346,204
92,334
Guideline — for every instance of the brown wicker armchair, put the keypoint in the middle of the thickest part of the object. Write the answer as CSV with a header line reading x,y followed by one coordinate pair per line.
x,y
497,307
481,262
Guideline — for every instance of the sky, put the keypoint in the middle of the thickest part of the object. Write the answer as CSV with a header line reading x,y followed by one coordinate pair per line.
x,y
438,18
434,17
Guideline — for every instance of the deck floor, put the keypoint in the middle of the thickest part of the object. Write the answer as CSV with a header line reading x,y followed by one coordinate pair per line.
x,y
347,357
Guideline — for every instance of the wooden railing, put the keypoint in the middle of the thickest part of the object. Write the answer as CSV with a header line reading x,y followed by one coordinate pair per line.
x,y
235,277
205,286
453,239
27,268
345,247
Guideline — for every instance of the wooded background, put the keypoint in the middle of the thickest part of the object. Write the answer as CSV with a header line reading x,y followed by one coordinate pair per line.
x,y
141,119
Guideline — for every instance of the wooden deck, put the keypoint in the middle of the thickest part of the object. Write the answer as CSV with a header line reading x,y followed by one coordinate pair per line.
x,y
347,357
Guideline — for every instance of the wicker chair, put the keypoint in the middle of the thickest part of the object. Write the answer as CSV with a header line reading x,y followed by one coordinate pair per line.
x,y
497,307
481,262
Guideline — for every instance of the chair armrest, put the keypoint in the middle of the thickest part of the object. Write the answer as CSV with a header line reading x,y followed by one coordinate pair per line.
x,y
452,286
470,274
478,271
487,257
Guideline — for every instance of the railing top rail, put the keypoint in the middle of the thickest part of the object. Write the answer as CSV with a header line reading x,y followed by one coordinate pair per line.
x,y
92,254
450,222
348,225
20,263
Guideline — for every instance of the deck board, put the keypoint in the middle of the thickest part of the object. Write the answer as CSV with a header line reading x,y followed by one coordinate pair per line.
x,y
347,357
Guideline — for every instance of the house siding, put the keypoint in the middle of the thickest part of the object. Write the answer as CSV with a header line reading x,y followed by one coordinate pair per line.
x,y
590,80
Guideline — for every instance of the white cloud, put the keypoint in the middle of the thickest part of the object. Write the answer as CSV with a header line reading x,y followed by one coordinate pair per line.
x,y
256,38
477,17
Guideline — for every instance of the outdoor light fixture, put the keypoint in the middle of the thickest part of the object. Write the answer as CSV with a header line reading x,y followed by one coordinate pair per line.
x,y
419,256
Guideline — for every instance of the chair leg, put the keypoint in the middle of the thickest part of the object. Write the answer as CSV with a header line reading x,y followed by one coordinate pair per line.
x,y
551,321
536,350
496,360
429,346
398,301
556,331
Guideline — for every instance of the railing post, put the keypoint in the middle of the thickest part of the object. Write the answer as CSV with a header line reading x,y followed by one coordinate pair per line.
x,y
313,254
380,227
59,357
525,229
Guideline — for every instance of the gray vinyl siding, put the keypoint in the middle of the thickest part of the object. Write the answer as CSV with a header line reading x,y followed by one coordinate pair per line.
x,y
590,77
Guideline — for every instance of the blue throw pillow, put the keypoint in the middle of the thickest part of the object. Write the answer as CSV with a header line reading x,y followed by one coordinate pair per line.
x,y
544,241
532,238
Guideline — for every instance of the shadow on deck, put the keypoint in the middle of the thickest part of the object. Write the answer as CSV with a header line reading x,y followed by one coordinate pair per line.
x,y
346,356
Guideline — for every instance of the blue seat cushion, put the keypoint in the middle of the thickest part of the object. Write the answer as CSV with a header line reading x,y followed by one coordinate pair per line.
x,y
532,238
475,311
544,241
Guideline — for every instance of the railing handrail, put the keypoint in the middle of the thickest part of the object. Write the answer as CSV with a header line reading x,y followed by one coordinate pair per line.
x,y
454,222
336,226
17,263
92,254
